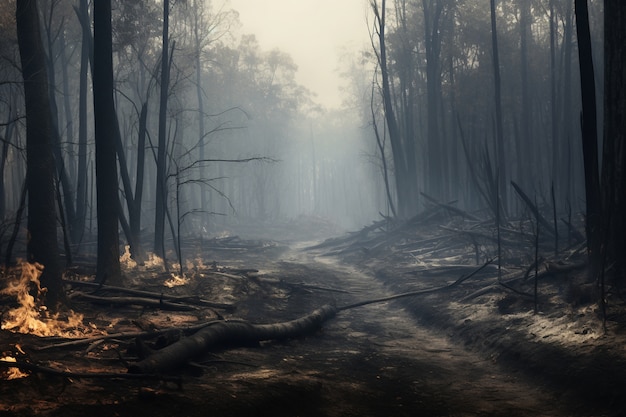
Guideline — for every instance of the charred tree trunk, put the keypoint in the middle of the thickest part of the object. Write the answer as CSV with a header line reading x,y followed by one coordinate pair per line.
x,y
108,267
6,141
161,190
62,172
614,153
436,182
589,135
42,223
134,211
500,151
81,177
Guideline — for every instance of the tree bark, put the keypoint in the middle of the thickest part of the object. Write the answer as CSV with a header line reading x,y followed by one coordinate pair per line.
x,y
500,151
614,152
234,332
161,191
589,134
108,265
81,177
42,244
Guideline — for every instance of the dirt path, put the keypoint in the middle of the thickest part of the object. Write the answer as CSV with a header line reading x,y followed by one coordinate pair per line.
x,y
412,370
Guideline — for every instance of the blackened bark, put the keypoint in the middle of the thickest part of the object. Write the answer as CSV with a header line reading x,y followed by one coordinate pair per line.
x,y
108,266
161,191
589,134
42,225
500,153
81,177
229,333
437,180
614,152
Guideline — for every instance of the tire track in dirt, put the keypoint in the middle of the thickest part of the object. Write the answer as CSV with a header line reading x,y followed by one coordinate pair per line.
x,y
419,371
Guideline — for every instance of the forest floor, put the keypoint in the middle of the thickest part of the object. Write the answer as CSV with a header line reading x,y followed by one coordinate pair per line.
x,y
475,348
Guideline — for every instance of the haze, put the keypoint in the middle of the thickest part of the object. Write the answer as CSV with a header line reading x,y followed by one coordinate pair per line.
x,y
315,34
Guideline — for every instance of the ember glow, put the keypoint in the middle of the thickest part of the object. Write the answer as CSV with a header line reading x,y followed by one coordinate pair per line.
x,y
176,281
12,373
31,316
126,260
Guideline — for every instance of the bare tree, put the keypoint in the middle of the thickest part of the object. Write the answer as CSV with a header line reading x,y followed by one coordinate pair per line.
x,y
588,122
500,151
161,190
108,267
42,224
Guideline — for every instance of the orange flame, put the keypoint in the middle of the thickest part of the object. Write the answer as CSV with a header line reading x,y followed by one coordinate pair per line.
x,y
31,316
12,373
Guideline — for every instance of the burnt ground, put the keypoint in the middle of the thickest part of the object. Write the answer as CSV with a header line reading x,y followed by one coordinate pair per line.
x,y
474,349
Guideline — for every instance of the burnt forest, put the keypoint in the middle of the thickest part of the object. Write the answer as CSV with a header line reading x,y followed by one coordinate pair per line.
x,y
297,208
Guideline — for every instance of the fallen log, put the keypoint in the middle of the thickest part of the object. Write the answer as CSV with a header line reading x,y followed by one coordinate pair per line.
x,y
137,301
223,333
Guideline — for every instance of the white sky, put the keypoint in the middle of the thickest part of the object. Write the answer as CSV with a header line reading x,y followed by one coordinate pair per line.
x,y
313,32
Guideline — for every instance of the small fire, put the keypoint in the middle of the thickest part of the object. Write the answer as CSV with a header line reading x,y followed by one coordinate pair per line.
x,y
176,281
31,316
126,260
153,261
12,373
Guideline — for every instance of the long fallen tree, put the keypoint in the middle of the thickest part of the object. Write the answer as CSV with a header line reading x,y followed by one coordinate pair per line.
x,y
229,332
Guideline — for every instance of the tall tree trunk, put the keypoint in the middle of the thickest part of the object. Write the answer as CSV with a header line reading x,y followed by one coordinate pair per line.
x,y
200,95
436,181
81,175
63,175
566,111
614,152
42,223
67,107
108,266
6,140
500,151
589,134
161,191
526,159
554,132
134,212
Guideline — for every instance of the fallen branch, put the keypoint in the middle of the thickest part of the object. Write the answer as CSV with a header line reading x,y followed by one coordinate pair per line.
x,y
150,294
534,209
31,367
418,292
139,301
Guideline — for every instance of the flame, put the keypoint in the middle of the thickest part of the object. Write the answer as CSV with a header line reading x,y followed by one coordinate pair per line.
x,y
176,281
12,373
31,316
153,261
125,260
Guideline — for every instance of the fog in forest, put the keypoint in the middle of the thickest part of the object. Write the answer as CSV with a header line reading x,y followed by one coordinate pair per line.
x,y
404,109
312,208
